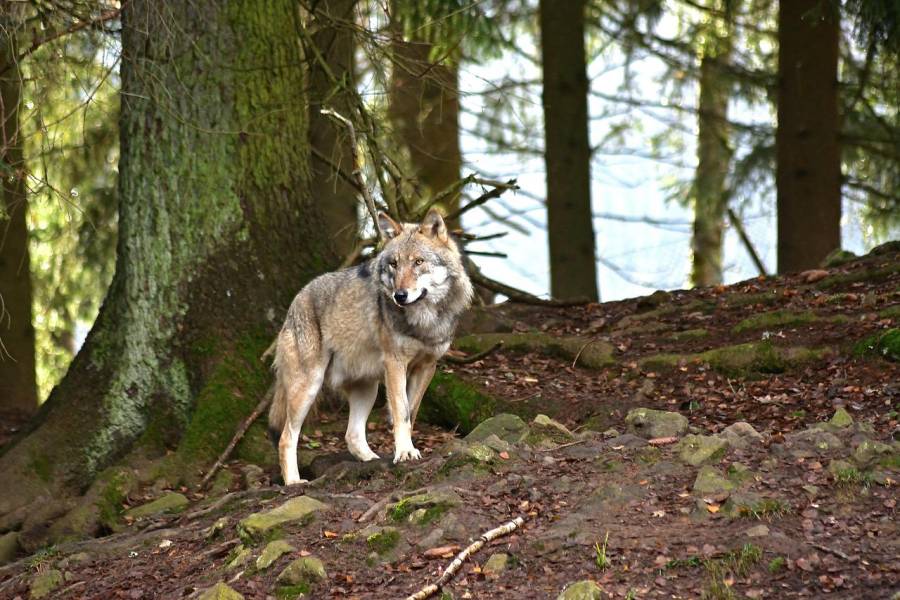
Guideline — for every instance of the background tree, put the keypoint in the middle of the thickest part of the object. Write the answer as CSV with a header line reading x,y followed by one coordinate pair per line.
x,y
216,234
570,230
18,388
808,171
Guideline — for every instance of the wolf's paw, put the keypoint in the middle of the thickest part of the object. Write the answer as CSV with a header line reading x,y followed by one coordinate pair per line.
x,y
364,454
295,481
403,455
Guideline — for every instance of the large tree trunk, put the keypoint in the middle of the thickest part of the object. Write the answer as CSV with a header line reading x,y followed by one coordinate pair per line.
x,y
216,233
18,389
424,109
567,153
808,150
335,43
713,159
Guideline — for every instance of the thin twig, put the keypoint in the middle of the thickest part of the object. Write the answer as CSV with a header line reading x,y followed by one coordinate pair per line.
x,y
580,350
467,360
499,188
454,566
245,425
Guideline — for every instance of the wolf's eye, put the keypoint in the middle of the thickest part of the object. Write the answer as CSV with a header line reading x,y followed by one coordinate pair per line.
x,y
420,262
393,264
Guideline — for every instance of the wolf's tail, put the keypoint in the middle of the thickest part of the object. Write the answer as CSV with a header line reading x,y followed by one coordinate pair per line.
x,y
278,409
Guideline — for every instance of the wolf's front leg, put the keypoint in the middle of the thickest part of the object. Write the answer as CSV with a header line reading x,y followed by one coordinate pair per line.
x,y
361,398
395,382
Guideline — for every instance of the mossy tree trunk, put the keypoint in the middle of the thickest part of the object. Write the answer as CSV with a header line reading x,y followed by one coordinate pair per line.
x,y
567,152
808,153
329,86
424,109
713,158
216,233
18,389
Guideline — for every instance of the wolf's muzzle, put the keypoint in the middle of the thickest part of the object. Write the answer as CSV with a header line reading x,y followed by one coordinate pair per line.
x,y
401,297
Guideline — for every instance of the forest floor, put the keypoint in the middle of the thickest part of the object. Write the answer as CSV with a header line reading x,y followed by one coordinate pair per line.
x,y
798,500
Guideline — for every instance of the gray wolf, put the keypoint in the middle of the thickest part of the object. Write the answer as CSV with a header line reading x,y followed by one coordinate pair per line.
x,y
391,317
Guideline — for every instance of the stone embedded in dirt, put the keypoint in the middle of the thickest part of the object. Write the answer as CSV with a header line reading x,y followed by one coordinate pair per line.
x,y
307,570
45,583
739,473
757,531
582,590
841,418
253,476
710,481
627,440
220,591
614,494
868,452
299,509
272,552
611,433
240,555
507,427
422,509
812,442
495,564
698,449
216,528
741,435
170,503
547,432
496,444
9,547
649,423
461,453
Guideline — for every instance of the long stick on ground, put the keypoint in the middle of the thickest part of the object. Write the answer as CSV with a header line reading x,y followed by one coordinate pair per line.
x,y
454,566
245,425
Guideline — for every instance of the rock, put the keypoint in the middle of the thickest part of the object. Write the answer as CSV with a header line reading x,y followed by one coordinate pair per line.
x,y
463,453
300,509
220,591
698,449
216,528
645,303
741,435
272,552
811,490
611,433
739,473
495,564
496,444
253,476
545,428
9,547
812,442
841,418
840,466
649,423
507,427
45,583
868,451
757,531
837,257
307,570
170,503
422,509
582,590
240,556
383,540
710,481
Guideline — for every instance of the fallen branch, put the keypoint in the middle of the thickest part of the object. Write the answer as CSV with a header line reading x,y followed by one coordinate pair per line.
x,y
499,188
517,295
745,239
467,360
245,425
454,566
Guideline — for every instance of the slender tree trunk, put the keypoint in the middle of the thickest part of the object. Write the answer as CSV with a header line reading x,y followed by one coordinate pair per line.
x,y
424,109
567,153
18,389
335,43
808,151
713,160
216,234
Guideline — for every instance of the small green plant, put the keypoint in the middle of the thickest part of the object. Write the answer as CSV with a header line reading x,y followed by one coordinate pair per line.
x,y
691,561
798,414
767,508
852,476
41,559
631,595
600,557
777,564
736,562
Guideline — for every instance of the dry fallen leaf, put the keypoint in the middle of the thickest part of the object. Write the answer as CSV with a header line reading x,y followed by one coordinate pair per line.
x,y
329,534
713,508
504,455
440,551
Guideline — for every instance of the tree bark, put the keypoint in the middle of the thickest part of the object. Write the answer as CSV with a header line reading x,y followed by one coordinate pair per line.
x,y
216,234
567,153
808,151
18,387
335,43
424,109
713,160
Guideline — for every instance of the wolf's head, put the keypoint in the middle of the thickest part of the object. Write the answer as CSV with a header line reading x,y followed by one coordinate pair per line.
x,y
420,262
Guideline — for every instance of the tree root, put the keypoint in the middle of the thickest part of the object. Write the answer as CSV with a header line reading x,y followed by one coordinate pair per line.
x,y
454,566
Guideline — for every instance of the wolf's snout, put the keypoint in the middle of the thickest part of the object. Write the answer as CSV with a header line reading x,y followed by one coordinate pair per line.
x,y
401,296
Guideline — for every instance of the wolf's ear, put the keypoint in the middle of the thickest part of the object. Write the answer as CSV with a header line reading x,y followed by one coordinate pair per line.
x,y
389,227
433,225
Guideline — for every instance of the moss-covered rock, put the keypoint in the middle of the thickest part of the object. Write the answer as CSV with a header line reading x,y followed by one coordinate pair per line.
x,y
495,564
9,547
698,449
837,257
841,418
740,360
591,353
462,454
452,402
272,552
509,428
299,510
546,431
649,423
220,591
741,435
170,503
775,319
384,540
867,452
307,570
885,344
238,557
44,584
422,509
689,334
582,590
710,481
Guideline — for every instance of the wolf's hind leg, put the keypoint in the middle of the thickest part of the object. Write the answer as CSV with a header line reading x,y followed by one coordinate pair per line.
x,y
361,397
301,394
417,383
